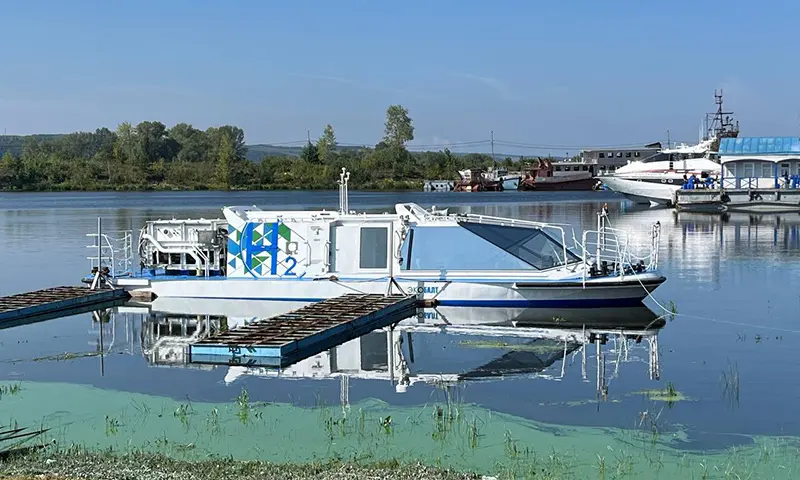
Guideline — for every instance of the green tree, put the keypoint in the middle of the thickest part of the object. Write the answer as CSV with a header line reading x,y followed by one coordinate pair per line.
x,y
226,156
309,153
192,143
398,129
326,144
235,137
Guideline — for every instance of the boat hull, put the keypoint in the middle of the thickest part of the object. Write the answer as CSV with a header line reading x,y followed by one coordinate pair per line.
x,y
556,184
640,191
514,293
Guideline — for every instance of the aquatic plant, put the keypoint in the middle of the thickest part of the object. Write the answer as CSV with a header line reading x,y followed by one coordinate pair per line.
x,y
669,394
112,426
12,389
213,421
730,385
182,414
242,403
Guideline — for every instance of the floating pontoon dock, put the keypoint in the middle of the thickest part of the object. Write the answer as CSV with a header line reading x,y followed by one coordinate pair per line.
x,y
288,338
19,308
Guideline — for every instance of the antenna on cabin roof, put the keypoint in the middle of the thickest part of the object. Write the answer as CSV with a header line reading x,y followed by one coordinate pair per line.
x,y
344,206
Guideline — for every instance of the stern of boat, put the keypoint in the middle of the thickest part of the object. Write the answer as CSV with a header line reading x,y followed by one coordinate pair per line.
x,y
611,259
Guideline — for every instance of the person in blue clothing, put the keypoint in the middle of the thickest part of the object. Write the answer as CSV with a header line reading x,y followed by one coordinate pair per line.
x,y
692,181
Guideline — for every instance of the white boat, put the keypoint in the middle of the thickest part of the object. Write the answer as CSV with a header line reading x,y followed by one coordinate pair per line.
x,y
500,179
458,260
656,182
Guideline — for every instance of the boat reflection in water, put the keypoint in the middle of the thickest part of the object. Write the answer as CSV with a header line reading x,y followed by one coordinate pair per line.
x,y
489,343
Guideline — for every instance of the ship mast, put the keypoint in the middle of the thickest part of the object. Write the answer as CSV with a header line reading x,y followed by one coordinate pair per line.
x,y
720,123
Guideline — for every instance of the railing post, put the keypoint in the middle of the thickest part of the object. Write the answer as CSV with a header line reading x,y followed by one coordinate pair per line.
x,y
99,245
599,230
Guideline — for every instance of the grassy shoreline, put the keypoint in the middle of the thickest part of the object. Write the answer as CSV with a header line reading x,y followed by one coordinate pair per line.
x,y
78,463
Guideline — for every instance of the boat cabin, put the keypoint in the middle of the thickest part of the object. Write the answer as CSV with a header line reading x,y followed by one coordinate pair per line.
x,y
264,244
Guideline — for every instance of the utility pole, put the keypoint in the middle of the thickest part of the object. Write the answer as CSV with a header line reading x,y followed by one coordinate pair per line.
x,y
308,136
492,136
669,145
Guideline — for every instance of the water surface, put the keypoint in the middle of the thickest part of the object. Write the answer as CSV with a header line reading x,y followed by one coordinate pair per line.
x,y
728,351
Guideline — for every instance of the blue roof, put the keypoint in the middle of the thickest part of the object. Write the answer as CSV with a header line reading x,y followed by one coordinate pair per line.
x,y
760,146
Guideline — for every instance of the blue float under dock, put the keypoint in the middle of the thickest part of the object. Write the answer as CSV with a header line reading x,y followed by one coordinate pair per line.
x,y
288,338
16,309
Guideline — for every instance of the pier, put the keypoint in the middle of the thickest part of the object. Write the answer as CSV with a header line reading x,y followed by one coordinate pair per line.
x,y
56,301
288,338
748,200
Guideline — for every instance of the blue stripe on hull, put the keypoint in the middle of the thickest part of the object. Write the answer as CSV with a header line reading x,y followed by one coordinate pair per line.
x,y
572,303
566,303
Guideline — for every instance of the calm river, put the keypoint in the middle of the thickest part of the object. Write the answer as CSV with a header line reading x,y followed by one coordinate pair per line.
x,y
725,358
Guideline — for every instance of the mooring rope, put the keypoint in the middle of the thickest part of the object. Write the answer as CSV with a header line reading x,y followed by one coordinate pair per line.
x,y
669,312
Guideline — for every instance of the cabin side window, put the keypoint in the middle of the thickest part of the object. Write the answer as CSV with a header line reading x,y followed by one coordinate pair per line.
x,y
767,169
602,155
636,154
532,246
373,248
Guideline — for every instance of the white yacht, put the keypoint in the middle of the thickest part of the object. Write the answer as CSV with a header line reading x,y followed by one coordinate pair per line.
x,y
458,260
656,182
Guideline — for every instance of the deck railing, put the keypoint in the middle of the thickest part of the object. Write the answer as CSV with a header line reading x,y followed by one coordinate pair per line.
x,y
613,247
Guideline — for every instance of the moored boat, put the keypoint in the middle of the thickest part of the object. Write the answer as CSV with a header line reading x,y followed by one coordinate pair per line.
x,y
546,177
458,260
656,181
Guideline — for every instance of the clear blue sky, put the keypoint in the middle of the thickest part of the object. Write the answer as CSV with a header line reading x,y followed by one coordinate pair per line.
x,y
571,73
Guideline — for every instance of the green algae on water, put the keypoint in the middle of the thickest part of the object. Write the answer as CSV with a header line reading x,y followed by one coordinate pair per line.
x,y
668,394
517,347
464,437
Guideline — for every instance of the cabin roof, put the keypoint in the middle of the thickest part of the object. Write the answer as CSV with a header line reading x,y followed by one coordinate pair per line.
x,y
760,146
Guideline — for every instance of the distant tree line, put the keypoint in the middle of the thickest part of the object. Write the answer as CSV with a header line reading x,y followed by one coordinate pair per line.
x,y
150,156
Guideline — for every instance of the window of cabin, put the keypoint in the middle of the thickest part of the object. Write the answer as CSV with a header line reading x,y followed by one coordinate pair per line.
x,y
566,168
585,168
627,154
558,168
767,169
374,247
636,154
619,154
532,246
602,155
610,154
749,170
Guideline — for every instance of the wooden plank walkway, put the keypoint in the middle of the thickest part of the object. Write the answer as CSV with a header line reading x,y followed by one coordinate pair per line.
x,y
288,338
51,301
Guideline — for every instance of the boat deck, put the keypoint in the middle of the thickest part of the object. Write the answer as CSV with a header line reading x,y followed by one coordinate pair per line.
x,y
290,337
60,301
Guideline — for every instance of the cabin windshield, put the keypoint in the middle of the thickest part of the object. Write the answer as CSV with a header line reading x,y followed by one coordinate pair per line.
x,y
474,246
